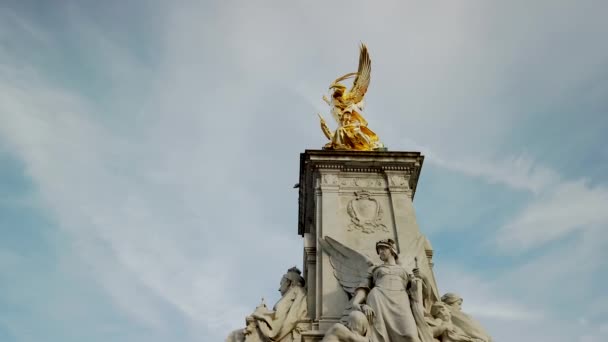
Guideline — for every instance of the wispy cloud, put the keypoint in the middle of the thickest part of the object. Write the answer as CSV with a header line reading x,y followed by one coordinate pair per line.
x,y
519,173
563,209
481,297
171,177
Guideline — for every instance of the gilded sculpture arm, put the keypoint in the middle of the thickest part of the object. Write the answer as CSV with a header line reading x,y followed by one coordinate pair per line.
x,y
325,129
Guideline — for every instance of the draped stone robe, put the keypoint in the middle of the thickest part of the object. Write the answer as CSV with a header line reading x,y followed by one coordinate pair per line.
x,y
277,325
388,297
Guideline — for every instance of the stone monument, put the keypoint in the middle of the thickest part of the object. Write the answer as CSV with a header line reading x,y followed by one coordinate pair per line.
x,y
368,269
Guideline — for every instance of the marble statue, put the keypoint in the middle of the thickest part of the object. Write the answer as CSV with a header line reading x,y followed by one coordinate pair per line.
x,y
280,323
355,329
443,329
347,107
463,321
387,294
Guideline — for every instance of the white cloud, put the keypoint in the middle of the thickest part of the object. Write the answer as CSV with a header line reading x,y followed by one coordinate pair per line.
x,y
560,210
482,298
520,173
557,206
176,196
76,163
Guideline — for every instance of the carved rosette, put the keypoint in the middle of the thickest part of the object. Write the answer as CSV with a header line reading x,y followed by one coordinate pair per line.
x,y
365,213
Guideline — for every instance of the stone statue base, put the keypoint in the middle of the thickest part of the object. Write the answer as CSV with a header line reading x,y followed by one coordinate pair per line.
x,y
361,239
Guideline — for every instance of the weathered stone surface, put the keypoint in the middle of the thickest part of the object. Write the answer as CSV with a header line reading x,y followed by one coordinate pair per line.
x,y
364,254
282,323
356,198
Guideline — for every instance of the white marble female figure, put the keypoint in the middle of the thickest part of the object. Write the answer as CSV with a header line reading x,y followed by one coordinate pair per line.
x,y
387,294
387,303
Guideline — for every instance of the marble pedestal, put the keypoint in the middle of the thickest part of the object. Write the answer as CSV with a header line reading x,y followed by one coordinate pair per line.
x,y
357,198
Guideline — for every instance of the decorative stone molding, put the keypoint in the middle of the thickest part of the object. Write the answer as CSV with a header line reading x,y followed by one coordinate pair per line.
x,y
365,213
398,180
368,169
311,255
329,179
363,182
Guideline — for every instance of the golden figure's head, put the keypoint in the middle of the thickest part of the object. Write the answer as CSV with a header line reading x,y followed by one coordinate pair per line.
x,y
336,85
338,89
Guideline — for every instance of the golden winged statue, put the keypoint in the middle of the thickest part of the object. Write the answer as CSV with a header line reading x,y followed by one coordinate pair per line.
x,y
346,107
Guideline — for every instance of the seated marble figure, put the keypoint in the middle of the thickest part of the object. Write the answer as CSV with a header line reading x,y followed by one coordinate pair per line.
x,y
280,323
442,327
463,321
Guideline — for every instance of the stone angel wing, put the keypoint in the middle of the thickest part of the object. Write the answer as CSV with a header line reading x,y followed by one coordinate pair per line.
x,y
361,83
350,266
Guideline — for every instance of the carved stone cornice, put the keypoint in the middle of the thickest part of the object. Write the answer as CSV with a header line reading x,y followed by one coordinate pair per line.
x,y
363,168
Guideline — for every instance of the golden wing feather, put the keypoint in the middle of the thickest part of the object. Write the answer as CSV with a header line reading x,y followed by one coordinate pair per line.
x,y
361,83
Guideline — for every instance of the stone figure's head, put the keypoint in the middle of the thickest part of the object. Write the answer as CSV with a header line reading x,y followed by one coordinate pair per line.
x,y
385,248
357,322
292,278
441,311
453,300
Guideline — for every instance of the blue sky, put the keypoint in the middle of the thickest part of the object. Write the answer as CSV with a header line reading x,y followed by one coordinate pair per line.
x,y
148,152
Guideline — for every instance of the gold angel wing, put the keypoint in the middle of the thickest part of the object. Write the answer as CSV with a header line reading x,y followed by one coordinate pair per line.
x,y
344,77
361,83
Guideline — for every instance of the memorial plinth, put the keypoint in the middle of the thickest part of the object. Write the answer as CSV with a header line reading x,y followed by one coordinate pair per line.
x,y
368,270
356,198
